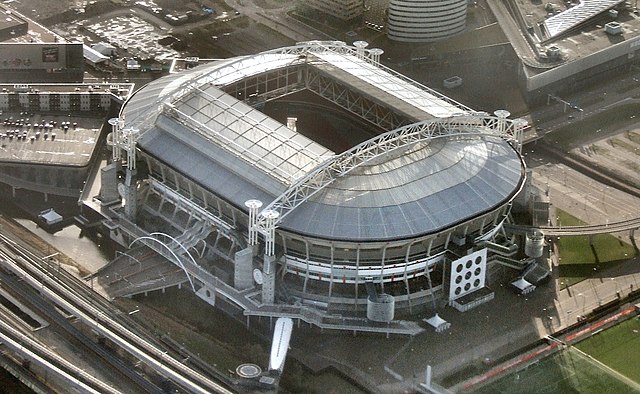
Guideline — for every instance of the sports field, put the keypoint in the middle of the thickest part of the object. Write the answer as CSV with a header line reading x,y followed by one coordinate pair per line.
x,y
567,371
581,256
617,347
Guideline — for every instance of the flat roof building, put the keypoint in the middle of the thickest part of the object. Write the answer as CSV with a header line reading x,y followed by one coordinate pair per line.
x,y
12,24
50,133
341,9
31,53
564,47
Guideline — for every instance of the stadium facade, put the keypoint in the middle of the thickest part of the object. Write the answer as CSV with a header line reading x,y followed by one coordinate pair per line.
x,y
259,213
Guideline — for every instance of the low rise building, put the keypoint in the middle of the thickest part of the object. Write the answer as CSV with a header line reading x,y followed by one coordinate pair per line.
x,y
341,9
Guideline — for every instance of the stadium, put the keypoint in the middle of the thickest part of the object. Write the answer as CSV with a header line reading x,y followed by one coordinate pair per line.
x,y
312,182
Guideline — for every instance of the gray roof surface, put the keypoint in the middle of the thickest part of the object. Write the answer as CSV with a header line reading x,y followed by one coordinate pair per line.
x,y
207,164
93,55
73,147
424,190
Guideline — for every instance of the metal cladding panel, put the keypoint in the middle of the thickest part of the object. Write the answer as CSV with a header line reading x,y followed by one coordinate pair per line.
x,y
402,197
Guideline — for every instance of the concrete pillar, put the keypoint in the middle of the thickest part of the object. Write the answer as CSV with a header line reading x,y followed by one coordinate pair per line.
x,y
243,269
109,186
131,195
268,281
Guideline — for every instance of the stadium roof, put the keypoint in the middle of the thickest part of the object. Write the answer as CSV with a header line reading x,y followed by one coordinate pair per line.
x,y
239,153
420,189
411,99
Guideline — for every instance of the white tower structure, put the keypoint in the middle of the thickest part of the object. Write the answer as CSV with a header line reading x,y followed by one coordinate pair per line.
x,y
425,20
127,141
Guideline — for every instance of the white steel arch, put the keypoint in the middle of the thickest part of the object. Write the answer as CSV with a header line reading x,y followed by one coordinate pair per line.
x,y
381,145
173,254
241,67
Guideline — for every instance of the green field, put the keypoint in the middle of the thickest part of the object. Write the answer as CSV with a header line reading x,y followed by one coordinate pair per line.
x,y
617,347
567,371
582,256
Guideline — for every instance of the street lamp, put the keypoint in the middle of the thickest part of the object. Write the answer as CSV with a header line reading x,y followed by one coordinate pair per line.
x,y
583,300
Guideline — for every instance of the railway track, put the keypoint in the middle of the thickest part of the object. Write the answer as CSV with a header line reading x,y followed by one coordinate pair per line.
x,y
607,228
70,294
32,299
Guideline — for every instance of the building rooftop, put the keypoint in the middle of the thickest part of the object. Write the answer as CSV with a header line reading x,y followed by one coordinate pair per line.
x,y
40,137
574,16
557,33
93,55
9,18
36,32
46,138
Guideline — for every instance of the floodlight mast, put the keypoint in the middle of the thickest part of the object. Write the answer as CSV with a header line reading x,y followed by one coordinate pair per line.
x,y
270,218
253,206
130,135
116,152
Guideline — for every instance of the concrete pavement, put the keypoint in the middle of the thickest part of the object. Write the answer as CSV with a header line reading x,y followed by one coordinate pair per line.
x,y
278,20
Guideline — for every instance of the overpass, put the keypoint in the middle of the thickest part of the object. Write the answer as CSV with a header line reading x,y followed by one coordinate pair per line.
x,y
556,231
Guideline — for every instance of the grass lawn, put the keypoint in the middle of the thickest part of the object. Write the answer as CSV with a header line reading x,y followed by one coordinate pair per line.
x,y
579,257
567,371
617,347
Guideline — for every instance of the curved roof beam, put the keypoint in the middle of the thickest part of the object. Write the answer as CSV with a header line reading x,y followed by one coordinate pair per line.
x,y
382,145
